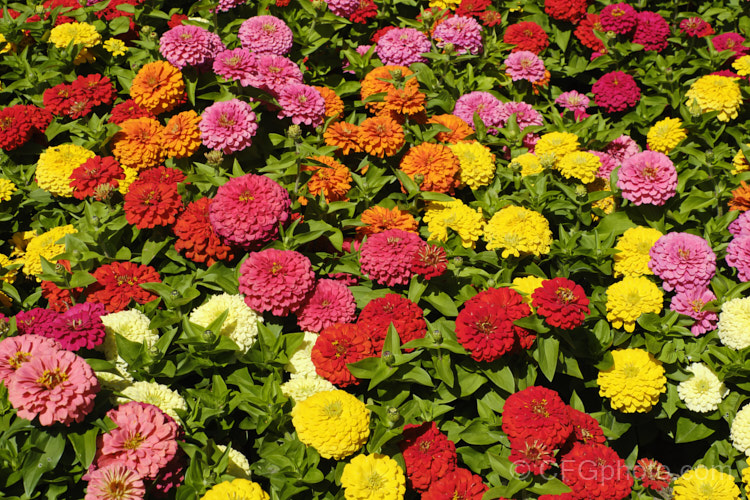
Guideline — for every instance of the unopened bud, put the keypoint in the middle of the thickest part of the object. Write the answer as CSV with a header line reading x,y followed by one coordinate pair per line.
x,y
709,155
175,294
393,414
458,260
39,9
214,157
147,30
419,179
397,76
491,282
59,268
103,192
611,35
389,358
153,35
294,132
427,15
208,335
449,47
581,191
437,336
319,5
547,160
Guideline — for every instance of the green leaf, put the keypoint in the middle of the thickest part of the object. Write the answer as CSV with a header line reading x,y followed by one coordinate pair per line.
x,y
443,303
548,348
688,431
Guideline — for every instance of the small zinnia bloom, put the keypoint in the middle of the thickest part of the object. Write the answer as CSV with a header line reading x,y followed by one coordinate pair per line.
x,y
387,257
157,87
716,93
336,346
150,204
652,474
665,135
379,219
683,261
648,177
138,144
95,172
331,179
406,316
459,129
266,35
703,391
428,453
197,238
181,135
701,483
343,135
115,482
634,382
561,302
620,18
276,280
117,284
436,164
373,476
616,91
526,35
329,302
80,327
524,65
228,125
15,351
189,45
402,46
302,103
631,297
381,136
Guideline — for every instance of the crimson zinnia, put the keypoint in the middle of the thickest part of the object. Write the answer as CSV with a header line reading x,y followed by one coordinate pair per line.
x,y
561,302
118,283
336,346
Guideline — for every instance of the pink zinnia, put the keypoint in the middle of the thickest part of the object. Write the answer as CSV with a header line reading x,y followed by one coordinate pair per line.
x,y
189,45
80,326
730,41
145,440
56,387
485,104
115,482
651,31
616,91
330,302
696,27
38,321
525,114
741,225
575,102
388,257
648,177
738,256
618,17
266,35
524,65
276,280
302,103
622,148
228,126
402,47
235,64
227,5
691,303
609,164
15,351
683,261
343,8
247,210
463,32
272,73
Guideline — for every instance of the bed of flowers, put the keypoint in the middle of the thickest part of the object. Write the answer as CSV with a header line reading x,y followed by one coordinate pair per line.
x,y
357,249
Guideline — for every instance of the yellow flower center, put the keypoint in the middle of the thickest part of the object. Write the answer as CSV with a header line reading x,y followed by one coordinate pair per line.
x,y
565,295
334,409
246,196
375,481
52,378
134,441
630,370
18,359
117,489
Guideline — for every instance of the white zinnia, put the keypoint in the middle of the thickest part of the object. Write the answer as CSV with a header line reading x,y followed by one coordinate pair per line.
x,y
703,391
740,431
301,388
156,394
131,324
241,324
238,465
734,323
300,362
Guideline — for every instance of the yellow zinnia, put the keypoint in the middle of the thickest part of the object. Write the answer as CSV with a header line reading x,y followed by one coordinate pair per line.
x,y
631,297
370,477
477,163
239,488
716,93
45,245
633,251
517,231
665,135
634,382
705,484
56,164
467,222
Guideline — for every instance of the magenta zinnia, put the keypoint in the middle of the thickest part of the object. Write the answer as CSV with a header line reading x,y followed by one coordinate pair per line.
x,y
276,280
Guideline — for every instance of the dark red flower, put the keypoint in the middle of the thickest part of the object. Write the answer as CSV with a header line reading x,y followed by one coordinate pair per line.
x,y
58,99
586,429
730,41
430,261
162,175
150,204
20,123
127,110
526,35
561,302
696,27
110,11
196,237
382,31
118,283
95,172
366,11
595,471
59,299
406,316
459,484
474,8
176,20
36,320
336,346
428,453
651,31
537,413
80,327
531,455
566,10
652,474
97,88
491,18
485,326
585,32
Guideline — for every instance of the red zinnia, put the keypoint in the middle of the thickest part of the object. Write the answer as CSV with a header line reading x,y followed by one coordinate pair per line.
x,y
491,18
117,284
59,299
95,172
531,455
58,99
150,204
652,474
428,453
586,429
430,261
460,484
596,471
561,302
526,35
176,20
485,325
127,110
474,8
367,10
20,123
382,31
336,346
406,316
585,32
565,10
537,413
196,236
696,27
97,88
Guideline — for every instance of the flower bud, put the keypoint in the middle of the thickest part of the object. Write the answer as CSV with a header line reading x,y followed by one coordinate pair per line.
x,y
389,358
294,132
147,30
437,336
214,157
319,5
393,414
427,16
103,192
419,179
581,191
208,335
449,47
458,260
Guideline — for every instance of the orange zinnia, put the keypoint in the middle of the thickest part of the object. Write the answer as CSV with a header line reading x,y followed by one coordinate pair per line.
x,y
181,136
138,144
436,164
406,101
157,87
332,179
378,81
333,103
740,198
381,136
460,130
379,219
343,135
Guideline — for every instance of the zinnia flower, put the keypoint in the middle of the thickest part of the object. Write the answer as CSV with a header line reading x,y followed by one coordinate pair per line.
x,y
16,351
235,64
461,483
379,219
239,488
241,324
330,302
387,257
127,110
138,144
517,230
332,179
596,471
652,474
467,222
80,327
524,65
715,93
95,172
734,323
335,423
692,303
380,136
402,47
272,73
345,136
561,302
189,45
738,256
181,135
459,129
463,32
703,391
150,204
579,165
302,103
695,27
56,164
537,413
228,125
701,483
683,261
196,237
486,105
648,177
373,476
619,17
56,387
477,163
20,123
157,88
115,482
429,455
634,382
631,297
117,284
526,35
435,163
266,35
740,198
44,245
586,32
634,248
247,210
651,31
405,316
565,10
276,280
616,91
665,135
